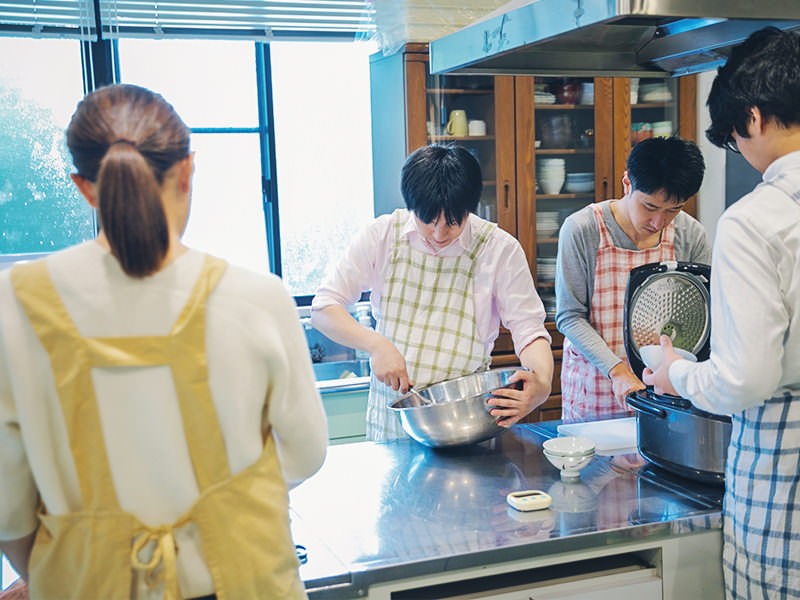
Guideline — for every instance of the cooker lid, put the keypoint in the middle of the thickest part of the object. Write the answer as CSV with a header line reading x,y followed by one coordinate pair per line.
x,y
669,298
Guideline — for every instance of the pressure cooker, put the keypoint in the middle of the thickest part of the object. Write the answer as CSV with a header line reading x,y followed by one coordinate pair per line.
x,y
673,298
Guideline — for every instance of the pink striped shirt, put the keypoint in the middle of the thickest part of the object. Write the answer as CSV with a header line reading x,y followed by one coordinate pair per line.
x,y
503,293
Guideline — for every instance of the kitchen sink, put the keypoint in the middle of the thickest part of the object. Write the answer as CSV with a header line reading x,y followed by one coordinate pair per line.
x,y
341,369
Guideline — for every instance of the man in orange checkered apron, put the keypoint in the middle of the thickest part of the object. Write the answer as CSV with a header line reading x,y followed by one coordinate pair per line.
x,y
598,247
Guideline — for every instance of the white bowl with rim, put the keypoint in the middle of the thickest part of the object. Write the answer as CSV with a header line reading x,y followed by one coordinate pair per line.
x,y
652,355
570,445
569,466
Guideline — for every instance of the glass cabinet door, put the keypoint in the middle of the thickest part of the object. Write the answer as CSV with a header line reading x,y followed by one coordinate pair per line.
x,y
564,148
654,108
461,110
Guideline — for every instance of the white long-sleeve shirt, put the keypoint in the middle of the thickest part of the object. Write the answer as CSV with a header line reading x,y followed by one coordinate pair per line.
x,y
260,376
755,307
503,286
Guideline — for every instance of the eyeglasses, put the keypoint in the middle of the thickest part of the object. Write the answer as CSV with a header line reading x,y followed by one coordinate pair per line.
x,y
730,144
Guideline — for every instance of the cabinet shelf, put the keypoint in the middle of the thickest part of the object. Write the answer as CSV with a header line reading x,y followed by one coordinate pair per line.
x,y
564,150
461,138
653,105
458,91
564,106
546,240
545,284
566,196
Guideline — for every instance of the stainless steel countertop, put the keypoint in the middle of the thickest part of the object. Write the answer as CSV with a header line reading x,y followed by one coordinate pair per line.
x,y
380,511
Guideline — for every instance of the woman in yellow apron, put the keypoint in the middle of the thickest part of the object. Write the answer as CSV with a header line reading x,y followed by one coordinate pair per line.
x,y
155,403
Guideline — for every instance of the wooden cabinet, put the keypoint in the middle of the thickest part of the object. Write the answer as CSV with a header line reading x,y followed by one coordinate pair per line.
x,y
534,126
411,108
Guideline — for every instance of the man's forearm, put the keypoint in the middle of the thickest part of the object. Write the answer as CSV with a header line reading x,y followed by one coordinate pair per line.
x,y
538,357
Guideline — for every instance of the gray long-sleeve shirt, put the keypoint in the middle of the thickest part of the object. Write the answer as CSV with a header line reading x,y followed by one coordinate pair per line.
x,y
578,242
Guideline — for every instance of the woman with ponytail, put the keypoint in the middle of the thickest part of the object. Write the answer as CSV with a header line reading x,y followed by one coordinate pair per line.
x,y
156,403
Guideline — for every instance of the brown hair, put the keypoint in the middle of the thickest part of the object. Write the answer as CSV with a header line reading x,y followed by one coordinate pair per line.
x,y
125,138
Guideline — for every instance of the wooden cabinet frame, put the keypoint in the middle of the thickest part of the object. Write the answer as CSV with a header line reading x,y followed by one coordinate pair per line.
x,y
399,113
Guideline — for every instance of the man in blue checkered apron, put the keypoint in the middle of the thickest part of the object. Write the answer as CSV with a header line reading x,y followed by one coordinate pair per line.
x,y
442,280
753,372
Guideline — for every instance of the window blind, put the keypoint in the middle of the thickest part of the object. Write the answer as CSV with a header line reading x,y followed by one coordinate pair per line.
x,y
261,20
48,18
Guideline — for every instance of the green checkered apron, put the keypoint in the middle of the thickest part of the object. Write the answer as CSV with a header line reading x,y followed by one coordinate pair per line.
x,y
427,312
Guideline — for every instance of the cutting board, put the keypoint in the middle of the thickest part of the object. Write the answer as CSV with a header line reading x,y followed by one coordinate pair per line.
x,y
612,436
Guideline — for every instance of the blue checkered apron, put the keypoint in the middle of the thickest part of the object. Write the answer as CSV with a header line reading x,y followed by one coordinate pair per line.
x,y
427,311
761,509
761,525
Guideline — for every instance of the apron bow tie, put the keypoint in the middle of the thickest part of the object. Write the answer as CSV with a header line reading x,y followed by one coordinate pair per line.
x,y
163,555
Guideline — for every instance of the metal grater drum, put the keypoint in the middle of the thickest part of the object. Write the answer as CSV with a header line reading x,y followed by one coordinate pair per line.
x,y
672,303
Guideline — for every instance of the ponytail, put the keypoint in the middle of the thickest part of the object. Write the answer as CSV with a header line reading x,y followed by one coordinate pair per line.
x,y
125,139
130,210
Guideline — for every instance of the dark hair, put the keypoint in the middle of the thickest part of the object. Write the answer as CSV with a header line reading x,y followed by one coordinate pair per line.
x,y
671,164
437,179
762,72
125,138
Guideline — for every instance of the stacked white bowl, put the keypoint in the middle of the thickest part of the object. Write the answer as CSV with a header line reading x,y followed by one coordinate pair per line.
x,y
569,455
579,183
550,174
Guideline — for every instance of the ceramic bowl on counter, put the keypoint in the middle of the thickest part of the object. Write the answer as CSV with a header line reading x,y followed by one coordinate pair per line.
x,y
569,466
570,445
569,455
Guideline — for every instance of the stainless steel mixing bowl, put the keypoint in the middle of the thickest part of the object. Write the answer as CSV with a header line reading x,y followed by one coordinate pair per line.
x,y
453,412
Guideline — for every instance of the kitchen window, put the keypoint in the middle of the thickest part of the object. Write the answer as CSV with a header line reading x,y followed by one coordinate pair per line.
x,y
40,208
323,157
281,131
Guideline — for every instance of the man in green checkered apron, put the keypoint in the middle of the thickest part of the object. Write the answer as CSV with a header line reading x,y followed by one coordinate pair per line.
x,y
427,313
442,281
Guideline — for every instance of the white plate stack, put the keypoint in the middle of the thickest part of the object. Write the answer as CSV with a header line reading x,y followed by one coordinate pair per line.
x,y
579,183
546,223
546,269
550,174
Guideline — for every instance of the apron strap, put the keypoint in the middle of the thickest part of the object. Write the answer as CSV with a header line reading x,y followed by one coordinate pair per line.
x,y
69,363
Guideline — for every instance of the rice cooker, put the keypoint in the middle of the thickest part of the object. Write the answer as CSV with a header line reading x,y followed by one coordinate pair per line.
x,y
673,298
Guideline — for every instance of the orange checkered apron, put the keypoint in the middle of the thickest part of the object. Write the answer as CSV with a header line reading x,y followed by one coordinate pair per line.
x,y
586,393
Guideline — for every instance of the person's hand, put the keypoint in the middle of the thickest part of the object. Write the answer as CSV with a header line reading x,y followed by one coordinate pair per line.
x,y
512,405
623,382
660,378
389,366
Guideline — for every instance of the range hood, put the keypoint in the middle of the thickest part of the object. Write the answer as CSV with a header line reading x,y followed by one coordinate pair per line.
x,y
625,38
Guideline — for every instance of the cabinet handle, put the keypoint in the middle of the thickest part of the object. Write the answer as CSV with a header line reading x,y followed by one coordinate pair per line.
x,y
505,193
